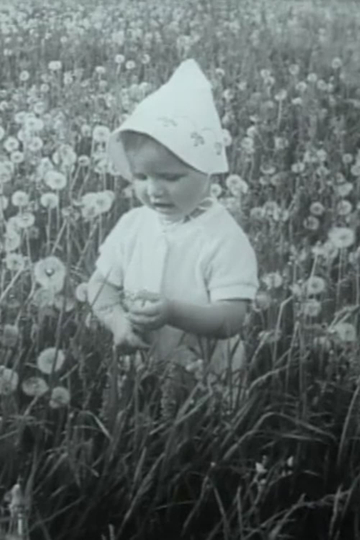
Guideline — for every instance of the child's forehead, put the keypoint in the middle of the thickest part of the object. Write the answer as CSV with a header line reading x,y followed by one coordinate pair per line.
x,y
153,155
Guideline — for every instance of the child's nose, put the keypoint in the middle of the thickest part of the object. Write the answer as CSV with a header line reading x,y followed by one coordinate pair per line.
x,y
155,187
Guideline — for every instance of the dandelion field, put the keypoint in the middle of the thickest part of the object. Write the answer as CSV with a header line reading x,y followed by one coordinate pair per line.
x,y
93,447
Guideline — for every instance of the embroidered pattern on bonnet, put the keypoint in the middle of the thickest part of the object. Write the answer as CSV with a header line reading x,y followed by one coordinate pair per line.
x,y
195,135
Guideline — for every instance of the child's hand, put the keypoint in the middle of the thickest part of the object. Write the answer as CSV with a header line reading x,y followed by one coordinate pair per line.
x,y
149,311
124,335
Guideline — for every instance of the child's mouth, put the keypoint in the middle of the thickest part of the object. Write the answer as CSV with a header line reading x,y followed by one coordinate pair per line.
x,y
163,206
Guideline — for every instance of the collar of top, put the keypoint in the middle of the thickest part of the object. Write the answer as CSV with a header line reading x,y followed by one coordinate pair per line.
x,y
181,115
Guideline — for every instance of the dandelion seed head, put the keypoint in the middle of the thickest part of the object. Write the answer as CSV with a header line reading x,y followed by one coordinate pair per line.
x,y
50,273
227,138
265,74
60,397
55,180
343,190
262,300
281,95
32,123
12,240
336,63
65,156
298,167
341,237
294,70
11,144
15,262
39,107
100,70
272,280
9,380
81,292
49,200
101,134
50,360
344,208
34,387
311,223
55,65
119,59
317,208
355,169
311,308
321,155
257,213
236,185
24,220
280,143
321,85
247,144
301,87
104,201
10,335
322,342
24,76
314,285
130,65
35,144
345,332
84,161
312,78
17,157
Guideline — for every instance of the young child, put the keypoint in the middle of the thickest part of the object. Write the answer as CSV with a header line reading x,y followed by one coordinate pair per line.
x,y
182,249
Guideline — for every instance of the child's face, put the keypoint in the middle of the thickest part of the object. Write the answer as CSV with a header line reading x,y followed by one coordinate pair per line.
x,y
165,183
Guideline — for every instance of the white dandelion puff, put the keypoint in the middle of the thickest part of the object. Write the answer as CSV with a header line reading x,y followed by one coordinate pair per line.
x,y
9,381
50,273
341,237
50,360
34,387
60,397
55,180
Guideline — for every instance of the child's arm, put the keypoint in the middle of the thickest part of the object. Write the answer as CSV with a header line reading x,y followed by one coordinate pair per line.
x,y
220,320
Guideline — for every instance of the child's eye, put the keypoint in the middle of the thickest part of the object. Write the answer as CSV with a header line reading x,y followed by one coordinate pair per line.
x,y
169,177
173,178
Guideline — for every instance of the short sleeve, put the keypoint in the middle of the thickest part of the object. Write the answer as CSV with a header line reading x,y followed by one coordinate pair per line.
x,y
232,271
110,260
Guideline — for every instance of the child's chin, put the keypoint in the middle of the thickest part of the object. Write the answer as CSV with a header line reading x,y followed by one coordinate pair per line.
x,y
169,213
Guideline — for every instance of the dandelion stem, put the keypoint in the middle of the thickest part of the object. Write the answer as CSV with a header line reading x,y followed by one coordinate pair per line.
x,y
92,232
48,229
28,244
338,285
58,238
279,114
10,286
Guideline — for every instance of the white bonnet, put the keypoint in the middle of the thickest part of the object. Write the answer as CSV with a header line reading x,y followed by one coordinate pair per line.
x,y
181,115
